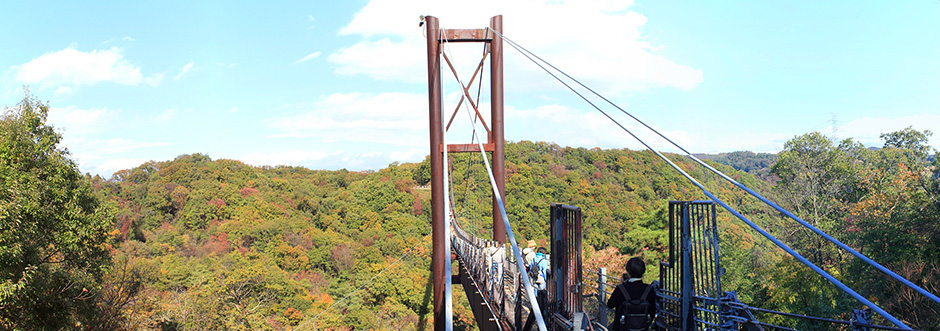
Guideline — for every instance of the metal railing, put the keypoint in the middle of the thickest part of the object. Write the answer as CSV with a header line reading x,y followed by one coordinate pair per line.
x,y
495,273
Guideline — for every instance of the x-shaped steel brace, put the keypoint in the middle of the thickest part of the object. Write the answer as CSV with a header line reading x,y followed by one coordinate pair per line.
x,y
466,92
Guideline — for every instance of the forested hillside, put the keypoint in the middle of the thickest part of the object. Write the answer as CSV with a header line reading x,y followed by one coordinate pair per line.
x,y
198,244
757,164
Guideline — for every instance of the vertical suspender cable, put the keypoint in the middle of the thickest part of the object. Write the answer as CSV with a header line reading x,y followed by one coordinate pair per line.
x,y
819,232
734,212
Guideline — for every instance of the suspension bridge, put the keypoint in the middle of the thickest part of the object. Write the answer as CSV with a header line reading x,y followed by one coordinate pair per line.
x,y
491,269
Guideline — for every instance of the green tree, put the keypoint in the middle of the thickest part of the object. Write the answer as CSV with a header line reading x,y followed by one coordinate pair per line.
x,y
914,142
818,181
52,228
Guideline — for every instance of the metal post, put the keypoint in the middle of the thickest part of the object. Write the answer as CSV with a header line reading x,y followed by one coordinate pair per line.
x,y
497,138
437,181
688,322
602,296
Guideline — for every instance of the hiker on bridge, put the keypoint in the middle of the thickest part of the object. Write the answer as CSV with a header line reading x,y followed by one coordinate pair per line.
x,y
528,253
633,301
539,268
496,255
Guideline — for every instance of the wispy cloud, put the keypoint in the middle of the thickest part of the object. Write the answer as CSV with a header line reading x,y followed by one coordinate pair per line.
x,y
310,56
310,20
125,38
78,121
868,130
184,70
339,159
294,157
73,68
387,118
105,156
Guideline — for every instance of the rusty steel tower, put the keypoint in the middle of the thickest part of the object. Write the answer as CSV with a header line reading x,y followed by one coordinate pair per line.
x,y
495,138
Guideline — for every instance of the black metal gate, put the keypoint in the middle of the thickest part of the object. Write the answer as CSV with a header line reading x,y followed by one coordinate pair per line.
x,y
690,294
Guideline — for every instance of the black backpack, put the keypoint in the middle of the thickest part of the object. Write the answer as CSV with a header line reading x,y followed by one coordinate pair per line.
x,y
534,270
635,311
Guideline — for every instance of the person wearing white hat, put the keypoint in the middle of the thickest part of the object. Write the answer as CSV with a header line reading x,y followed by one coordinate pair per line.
x,y
528,253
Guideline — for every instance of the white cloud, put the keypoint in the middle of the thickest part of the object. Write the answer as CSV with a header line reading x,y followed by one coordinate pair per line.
x,y
315,159
411,155
154,80
616,53
92,149
578,128
63,90
184,70
310,20
76,121
387,118
125,38
310,56
398,61
105,156
73,68
109,166
868,129
166,115
294,157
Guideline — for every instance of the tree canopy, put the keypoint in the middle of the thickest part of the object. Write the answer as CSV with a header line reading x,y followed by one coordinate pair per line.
x,y
195,243
53,230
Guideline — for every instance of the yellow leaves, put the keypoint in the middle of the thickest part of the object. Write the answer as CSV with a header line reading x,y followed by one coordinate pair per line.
x,y
114,233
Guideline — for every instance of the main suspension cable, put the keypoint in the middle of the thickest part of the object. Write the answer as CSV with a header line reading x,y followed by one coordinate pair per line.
x,y
734,212
760,197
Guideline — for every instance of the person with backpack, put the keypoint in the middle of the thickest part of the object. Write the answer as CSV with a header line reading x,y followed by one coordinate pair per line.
x,y
528,254
539,268
633,301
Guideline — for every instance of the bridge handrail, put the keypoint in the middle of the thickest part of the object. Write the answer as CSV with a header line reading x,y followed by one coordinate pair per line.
x,y
815,318
600,301
497,291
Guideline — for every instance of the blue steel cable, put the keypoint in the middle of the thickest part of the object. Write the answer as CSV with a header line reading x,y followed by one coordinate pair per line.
x,y
819,232
734,212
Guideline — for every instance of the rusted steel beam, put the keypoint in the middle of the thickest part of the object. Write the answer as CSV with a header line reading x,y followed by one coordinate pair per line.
x,y
497,136
437,179
467,148
465,35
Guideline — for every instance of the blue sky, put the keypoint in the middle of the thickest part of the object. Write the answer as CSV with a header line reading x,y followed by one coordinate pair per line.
x,y
342,84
